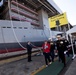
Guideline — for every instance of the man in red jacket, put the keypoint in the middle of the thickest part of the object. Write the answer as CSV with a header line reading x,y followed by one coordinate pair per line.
x,y
46,52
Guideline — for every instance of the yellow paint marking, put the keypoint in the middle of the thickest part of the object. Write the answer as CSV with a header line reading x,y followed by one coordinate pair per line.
x,y
14,59
41,68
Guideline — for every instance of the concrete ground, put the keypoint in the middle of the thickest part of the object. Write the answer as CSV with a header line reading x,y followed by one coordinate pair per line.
x,y
72,68
22,67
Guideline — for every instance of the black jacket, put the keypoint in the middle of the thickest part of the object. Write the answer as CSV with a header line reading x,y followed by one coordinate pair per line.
x,y
60,46
52,48
29,47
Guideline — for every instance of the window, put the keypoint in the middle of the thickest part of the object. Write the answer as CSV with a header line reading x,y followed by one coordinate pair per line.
x,y
20,27
8,27
14,27
25,27
3,27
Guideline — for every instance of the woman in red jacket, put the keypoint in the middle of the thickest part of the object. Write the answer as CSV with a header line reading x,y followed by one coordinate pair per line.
x,y
46,51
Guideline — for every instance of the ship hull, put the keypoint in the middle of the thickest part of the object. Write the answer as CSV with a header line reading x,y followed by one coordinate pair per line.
x,y
14,36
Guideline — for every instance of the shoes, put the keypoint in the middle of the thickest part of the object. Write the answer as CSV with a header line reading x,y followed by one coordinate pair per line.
x,y
29,60
50,63
46,65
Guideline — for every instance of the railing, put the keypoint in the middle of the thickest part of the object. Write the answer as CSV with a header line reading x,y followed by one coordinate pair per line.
x,y
22,13
24,7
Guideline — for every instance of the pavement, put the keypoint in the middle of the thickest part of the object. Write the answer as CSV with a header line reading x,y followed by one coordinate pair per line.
x,y
72,68
56,68
20,66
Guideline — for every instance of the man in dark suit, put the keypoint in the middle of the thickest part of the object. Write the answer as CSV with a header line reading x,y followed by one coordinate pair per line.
x,y
29,50
61,48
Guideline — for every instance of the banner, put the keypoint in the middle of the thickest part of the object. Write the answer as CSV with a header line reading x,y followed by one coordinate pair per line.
x,y
59,20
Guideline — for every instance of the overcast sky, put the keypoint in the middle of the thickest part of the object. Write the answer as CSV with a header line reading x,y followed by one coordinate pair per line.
x,y
68,6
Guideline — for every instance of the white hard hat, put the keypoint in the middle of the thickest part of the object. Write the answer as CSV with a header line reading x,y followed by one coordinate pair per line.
x,y
49,39
58,36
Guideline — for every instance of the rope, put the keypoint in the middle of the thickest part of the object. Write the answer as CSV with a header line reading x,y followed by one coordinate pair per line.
x,y
20,23
20,20
13,26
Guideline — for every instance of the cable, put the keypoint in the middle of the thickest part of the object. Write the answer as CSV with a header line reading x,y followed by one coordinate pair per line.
x,y
20,23
13,26
20,19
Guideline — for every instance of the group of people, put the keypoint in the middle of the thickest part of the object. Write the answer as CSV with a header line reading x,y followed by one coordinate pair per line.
x,y
62,47
48,48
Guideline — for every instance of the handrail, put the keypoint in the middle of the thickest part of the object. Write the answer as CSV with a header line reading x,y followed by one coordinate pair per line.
x,y
24,7
22,13
14,17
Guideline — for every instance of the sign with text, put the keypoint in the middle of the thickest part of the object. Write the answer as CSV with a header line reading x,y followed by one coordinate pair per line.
x,y
58,20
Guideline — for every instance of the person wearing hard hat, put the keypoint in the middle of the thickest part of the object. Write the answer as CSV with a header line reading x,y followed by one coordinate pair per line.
x,y
61,48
